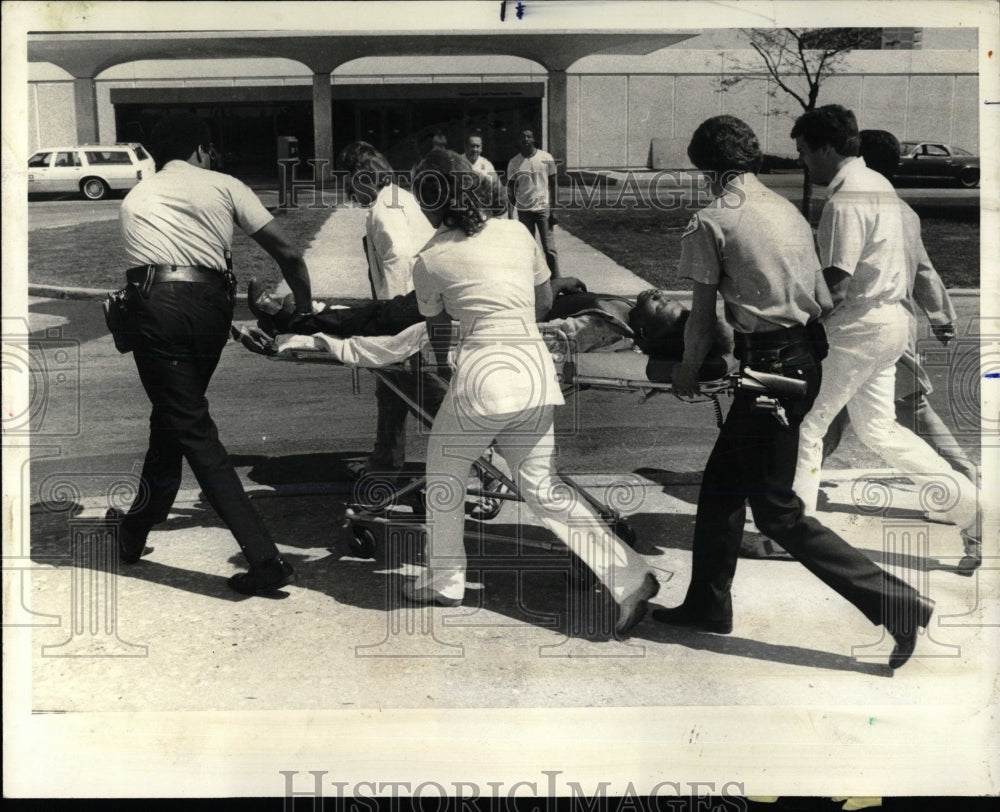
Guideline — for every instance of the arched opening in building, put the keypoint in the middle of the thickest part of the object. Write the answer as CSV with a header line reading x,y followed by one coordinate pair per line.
x,y
249,123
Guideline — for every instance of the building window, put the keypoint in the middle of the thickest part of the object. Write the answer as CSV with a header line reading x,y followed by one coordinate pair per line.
x,y
902,39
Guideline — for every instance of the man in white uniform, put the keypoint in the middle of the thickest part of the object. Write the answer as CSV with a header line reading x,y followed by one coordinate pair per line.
x,y
927,293
863,255
531,191
751,247
395,230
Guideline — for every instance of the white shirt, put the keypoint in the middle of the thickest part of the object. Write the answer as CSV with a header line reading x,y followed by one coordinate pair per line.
x,y
484,167
531,177
487,282
397,229
861,232
184,215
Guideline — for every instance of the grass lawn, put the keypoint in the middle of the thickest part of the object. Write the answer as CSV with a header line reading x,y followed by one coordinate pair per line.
x,y
91,255
648,242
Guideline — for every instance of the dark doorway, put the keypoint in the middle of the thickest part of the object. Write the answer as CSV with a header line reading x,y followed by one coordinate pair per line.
x,y
244,134
400,120
402,129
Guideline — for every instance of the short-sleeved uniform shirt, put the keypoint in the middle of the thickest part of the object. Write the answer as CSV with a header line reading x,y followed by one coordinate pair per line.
x,y
184,215
759,250
487,283
484,167
397,229
531,177
861,233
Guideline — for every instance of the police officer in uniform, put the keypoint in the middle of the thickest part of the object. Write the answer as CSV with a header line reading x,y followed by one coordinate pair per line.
x,y
754,248
178,226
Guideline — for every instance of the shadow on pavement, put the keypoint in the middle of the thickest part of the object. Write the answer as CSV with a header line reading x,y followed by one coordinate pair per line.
x,y
513,581
756,650
54,543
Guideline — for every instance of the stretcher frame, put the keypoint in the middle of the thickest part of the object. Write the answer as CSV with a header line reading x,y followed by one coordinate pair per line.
x,y
365,518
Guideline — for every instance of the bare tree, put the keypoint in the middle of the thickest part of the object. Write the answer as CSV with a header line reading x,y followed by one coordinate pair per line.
x,y
797,62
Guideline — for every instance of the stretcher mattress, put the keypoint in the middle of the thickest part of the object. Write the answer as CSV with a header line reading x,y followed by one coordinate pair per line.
x,y
379,351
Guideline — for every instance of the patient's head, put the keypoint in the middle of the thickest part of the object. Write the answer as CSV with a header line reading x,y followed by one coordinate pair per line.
x,y
658,322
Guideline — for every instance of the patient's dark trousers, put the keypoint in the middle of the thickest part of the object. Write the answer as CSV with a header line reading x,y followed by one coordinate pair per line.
x,y
754,461
178,335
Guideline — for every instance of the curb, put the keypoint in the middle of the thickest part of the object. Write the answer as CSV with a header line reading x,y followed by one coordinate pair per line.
x,y
55,292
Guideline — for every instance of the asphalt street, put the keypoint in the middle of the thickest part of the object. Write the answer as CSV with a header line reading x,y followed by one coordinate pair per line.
x,y
167,636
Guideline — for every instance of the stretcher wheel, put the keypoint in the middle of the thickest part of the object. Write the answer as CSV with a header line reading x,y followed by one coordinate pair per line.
x,y
364,543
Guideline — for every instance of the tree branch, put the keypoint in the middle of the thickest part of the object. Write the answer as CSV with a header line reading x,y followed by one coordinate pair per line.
x,y
805,65
777,77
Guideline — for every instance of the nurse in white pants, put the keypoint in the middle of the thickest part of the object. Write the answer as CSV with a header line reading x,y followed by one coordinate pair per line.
x,y
862,250
490,276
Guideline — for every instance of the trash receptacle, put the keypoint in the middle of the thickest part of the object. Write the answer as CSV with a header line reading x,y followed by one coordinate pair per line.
x,y
288,147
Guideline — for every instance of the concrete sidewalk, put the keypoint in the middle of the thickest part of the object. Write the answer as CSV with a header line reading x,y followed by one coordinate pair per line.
x,y
339,268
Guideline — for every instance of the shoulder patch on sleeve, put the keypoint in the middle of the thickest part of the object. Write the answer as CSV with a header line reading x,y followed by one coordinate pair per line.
x,y
693,224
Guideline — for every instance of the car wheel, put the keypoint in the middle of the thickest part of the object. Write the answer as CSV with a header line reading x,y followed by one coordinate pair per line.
x,y
969,178
94,188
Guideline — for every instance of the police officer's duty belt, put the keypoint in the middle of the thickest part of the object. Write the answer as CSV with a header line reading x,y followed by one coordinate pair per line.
x,y
151,274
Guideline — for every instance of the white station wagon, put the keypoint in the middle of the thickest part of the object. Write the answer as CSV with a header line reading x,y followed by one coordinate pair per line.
x,y
93,170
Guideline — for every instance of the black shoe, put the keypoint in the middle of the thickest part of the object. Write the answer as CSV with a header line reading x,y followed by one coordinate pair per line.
x,y
265,577
130,547
684,618
906,640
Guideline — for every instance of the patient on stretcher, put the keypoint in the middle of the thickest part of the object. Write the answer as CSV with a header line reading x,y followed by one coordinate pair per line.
x,y
652,324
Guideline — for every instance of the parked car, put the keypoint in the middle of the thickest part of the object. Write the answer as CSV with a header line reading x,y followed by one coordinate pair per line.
x,y
93,170
930,160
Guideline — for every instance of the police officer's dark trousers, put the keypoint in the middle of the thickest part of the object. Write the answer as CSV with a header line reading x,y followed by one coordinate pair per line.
x,y
179,332
753,462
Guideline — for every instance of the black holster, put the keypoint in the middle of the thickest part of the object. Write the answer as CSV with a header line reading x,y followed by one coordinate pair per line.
x,y
230,277
116,315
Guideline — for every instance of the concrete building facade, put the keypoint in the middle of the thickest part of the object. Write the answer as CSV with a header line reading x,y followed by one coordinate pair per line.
x,y
591,109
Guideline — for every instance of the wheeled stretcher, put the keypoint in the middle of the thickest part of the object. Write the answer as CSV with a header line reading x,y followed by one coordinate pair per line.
x,y
622,371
